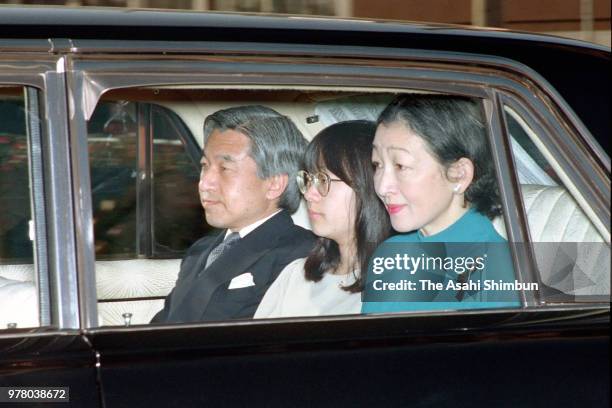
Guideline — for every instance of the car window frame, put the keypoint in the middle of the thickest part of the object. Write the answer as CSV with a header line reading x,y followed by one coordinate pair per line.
x,y
572,168
570,151
42,77
99,74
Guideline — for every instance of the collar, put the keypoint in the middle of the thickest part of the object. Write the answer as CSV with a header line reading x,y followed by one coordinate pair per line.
x,y
471,226
243,232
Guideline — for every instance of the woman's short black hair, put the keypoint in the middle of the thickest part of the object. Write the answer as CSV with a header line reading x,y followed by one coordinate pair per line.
x,y
452,127
345,149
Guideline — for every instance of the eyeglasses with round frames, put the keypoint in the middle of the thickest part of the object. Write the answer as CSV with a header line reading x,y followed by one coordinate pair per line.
x,y
321,182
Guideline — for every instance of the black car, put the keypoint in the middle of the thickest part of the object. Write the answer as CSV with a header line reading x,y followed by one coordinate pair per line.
x,y
101,115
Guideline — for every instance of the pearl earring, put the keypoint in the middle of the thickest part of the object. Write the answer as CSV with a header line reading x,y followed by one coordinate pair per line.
x,y
457,188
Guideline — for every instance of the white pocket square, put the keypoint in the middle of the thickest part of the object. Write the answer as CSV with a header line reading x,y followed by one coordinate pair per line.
x,y
242,281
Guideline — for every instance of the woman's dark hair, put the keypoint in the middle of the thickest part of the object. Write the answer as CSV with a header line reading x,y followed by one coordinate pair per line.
x,y
452,127
345,149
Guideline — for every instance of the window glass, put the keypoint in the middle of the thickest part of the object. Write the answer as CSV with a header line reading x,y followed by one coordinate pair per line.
x,y
112,140
145,219
18,293
572,256
176,166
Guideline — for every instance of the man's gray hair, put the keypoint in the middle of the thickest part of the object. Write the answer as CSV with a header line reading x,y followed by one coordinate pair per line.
x,y
277,145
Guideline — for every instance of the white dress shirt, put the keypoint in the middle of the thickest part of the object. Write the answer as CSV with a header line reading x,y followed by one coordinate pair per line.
x,y
249,228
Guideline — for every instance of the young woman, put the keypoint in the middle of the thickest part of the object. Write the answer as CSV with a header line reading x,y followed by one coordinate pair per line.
x,y
434,173
350,222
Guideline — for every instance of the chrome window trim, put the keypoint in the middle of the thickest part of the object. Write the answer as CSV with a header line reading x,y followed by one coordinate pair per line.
x,y
515,217
82,210
60,207
21,45
99,77
25,69
36,134
45,74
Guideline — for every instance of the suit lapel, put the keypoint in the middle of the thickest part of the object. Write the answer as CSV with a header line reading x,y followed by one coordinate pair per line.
x,y
183,300
239,258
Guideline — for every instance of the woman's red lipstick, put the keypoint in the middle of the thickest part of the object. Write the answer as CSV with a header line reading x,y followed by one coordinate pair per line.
x,y
394,208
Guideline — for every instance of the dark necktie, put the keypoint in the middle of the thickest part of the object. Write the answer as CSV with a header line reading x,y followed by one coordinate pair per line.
x,y
230,240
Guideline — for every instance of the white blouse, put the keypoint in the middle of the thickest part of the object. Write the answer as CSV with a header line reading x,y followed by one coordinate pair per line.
x,y
292,295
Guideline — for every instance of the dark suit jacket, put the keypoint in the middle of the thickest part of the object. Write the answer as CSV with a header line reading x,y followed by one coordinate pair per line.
x,y
203,295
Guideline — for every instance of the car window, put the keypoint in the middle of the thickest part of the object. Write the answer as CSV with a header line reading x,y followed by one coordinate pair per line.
x,y
18,287
572,255
139,246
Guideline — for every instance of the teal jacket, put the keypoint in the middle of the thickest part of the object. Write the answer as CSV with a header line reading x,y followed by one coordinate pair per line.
x,y
464,284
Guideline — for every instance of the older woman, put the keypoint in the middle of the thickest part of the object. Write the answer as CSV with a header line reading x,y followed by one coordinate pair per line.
x,y
350,222
434,173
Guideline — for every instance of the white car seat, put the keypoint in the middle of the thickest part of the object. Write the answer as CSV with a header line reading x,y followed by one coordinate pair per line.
x,y
18,303
570,253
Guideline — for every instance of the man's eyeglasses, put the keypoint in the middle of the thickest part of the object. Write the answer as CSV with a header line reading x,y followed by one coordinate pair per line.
x,y
320,180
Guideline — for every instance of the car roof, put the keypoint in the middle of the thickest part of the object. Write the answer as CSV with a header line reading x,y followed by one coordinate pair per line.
x,y
182,24
577,70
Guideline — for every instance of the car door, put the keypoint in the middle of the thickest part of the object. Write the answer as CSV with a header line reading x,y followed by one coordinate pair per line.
x,y
435,359
40,340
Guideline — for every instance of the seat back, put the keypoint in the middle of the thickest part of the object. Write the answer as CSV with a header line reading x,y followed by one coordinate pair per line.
x,y
18,301
137,279
553,216
571,255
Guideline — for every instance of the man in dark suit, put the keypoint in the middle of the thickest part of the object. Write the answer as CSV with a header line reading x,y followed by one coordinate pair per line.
x,y
247,187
